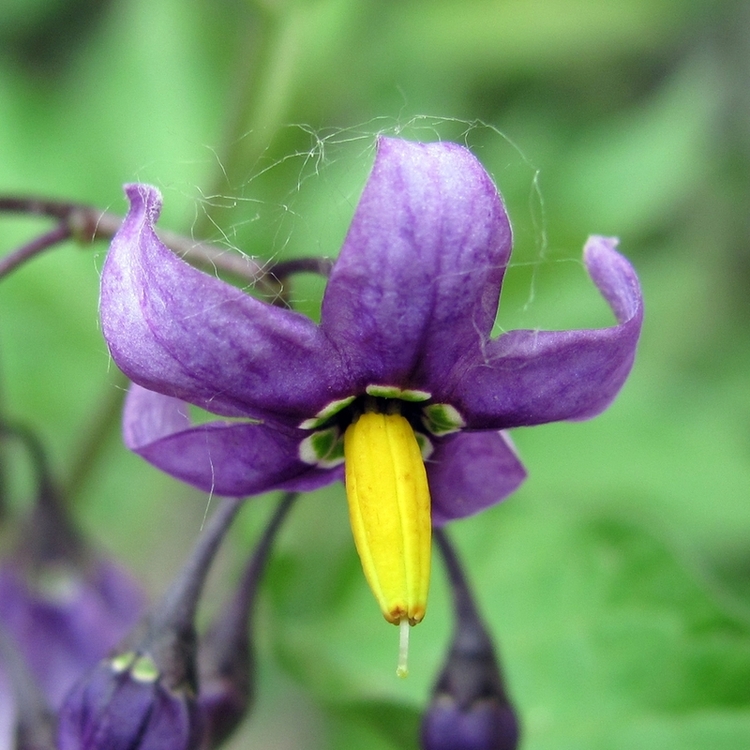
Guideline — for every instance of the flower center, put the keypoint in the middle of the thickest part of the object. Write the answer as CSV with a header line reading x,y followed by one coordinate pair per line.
x,y
383,439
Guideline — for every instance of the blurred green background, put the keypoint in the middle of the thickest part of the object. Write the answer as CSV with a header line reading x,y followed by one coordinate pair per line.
x,y
616,580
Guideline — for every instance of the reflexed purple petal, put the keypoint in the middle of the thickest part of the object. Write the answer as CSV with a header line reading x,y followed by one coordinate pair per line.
x,y
535,377
470,471
417,282
184,333
228,458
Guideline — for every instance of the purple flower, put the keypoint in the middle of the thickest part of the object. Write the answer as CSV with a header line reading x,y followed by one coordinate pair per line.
x,y
65,603
67,620
404,341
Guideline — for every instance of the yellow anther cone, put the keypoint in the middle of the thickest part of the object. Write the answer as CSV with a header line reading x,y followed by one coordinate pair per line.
x,y
389,509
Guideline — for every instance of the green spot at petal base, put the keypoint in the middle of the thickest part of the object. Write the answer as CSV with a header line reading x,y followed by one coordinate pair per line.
x,y
144,670
324,448
391,391
328,411
442,419
122,662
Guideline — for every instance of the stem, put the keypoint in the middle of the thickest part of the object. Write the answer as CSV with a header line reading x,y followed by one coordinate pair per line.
x,y
88,224
472,671
177,607
466,610
48,535
31,206
37,455
318,265
226,654
168,632
254,570
37,246
232,626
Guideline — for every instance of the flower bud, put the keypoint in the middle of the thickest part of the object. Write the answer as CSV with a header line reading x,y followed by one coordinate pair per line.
x,y
470,709
483,722
124,704
145,697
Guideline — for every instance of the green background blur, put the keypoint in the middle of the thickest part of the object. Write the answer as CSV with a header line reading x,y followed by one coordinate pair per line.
x,y
616,580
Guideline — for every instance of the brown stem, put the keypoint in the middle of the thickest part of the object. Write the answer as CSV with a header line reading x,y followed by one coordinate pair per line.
x,y
87,224
44,242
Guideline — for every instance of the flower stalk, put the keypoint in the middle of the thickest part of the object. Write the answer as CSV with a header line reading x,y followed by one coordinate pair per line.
x,y
226,659
470,709
168,632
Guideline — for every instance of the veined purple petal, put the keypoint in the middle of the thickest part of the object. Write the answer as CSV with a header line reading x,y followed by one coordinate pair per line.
x,y
470,471
534,377
176,330
417,282
228,458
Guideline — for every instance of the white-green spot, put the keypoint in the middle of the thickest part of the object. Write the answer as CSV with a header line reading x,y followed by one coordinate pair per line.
x,y
328,411
144,670
324,448
391,391
425,445
442,419
122,662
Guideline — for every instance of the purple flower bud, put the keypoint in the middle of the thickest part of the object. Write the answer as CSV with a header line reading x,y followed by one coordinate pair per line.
x,y
124,704
470,709
145,697
484,722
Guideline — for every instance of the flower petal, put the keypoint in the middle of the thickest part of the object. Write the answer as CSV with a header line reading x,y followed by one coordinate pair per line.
x,y
534,377
470,471
228,458
186,334
417,282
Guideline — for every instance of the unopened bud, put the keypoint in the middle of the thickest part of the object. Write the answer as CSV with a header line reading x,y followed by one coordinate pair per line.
x,y
470,709
124,704
145,697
